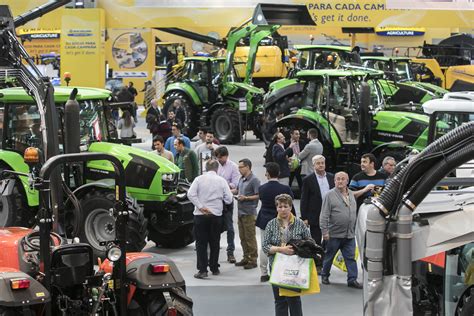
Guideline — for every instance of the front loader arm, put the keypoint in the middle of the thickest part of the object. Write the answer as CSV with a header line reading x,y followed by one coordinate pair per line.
x,y
256,37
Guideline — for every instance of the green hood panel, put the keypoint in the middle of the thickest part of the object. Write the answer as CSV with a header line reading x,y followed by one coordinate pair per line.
x,y
281,83
61,94
16,163
187,89
247,87
143,169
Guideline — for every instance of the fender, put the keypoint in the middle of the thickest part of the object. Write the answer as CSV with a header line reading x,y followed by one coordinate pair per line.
x,y
14,161
402,146
278,94
103,184
185,88
35,294
140,275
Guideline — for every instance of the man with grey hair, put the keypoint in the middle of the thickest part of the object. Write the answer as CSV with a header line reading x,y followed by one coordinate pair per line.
x,y
388,166
338,219
315,186
208,192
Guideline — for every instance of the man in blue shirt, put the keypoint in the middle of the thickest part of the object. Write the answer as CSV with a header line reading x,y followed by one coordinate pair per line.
x,y
364,183
176,131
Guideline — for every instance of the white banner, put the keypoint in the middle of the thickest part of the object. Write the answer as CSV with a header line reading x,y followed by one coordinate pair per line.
x,y
206,3
431,4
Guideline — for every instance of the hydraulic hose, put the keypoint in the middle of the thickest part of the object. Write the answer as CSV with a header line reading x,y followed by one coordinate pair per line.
x,y
388,198
439,171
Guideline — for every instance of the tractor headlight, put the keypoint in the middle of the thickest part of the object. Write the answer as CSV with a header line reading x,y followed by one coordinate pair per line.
x,y
114,253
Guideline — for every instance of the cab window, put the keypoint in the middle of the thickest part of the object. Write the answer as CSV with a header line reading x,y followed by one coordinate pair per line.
x,y
23,127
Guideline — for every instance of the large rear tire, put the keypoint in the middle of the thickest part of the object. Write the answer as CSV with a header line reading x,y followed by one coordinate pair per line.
x,y
179,238
146,303
191,123
466,304
98,225
283,105
14,210
226,125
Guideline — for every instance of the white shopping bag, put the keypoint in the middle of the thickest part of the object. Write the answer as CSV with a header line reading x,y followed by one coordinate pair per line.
x,y
291,272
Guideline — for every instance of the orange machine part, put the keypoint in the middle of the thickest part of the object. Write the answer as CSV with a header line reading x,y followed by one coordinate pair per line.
x,y
107,266
438,259
9,239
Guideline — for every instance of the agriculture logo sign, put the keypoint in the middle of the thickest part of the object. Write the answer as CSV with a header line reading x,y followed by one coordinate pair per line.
x,y
400,31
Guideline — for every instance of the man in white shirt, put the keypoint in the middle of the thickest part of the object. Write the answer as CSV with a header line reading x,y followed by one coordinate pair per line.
x,y
208,192
205,151
158,143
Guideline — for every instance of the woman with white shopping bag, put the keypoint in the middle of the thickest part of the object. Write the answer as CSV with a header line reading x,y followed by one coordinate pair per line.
x,y
278,232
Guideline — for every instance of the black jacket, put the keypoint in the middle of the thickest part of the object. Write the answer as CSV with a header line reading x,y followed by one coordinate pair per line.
x,y
279,156
311,199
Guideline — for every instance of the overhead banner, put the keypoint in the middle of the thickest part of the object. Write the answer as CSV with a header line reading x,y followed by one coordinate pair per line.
x,y
82,47
431,4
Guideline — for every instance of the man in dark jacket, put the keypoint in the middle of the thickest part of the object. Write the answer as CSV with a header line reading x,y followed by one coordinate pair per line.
x,y
267,193
281,156
153,118
315,187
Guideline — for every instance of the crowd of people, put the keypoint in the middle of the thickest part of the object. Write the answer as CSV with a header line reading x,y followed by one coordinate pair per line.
x,y
328,206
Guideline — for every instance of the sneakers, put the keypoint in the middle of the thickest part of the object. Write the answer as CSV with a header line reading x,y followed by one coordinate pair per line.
x,y
241,263
325,280
231,258
250,265
201,275
264,278
355,285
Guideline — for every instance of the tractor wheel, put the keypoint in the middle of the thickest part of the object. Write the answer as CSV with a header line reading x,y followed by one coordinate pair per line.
x,y
14,210
146,303
179,238
283,105
466,304
98,225
226,125
191,123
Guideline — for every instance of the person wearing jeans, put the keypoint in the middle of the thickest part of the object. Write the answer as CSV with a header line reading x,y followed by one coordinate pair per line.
x,y
337,222
278,233
230,172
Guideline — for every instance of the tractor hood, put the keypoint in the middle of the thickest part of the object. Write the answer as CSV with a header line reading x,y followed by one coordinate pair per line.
x,y
281,83
148,175
247,87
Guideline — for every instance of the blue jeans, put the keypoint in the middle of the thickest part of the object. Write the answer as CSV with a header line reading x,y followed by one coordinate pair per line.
x,y
285,303
347,247
227,214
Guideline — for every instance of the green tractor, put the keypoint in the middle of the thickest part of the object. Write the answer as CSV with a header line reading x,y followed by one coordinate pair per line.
x,y
286,94
350,115
152,181
401,70
209,89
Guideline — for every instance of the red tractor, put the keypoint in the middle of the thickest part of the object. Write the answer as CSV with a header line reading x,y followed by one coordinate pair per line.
x,y
42,274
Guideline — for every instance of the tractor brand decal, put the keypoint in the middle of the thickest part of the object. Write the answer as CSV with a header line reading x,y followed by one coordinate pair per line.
x,y
400,31
390,135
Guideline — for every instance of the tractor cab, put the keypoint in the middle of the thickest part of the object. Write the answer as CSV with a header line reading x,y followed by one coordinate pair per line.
x,y
398,69
311,57
22,119
204,74
453,110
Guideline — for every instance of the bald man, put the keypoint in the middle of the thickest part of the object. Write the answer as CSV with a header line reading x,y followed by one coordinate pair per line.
x,y
337,222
